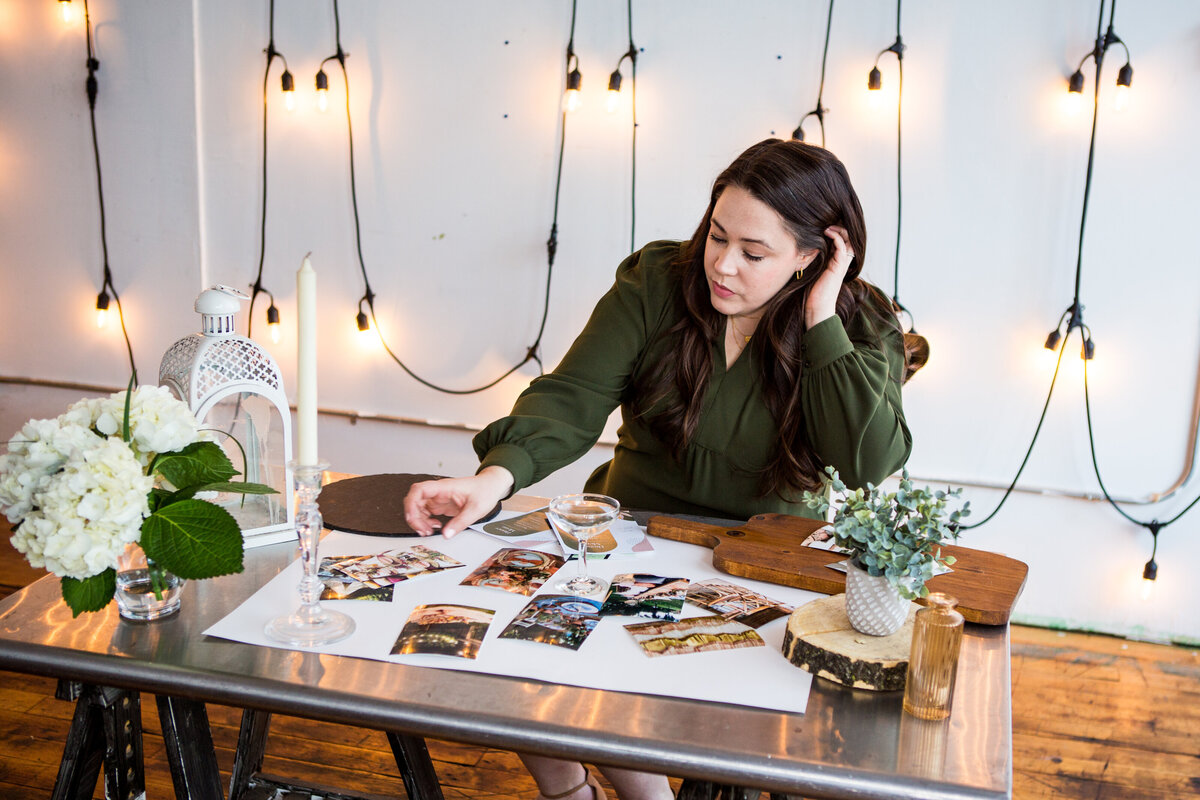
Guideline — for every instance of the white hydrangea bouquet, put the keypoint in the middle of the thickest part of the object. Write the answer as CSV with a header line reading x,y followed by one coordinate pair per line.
x,y
114,471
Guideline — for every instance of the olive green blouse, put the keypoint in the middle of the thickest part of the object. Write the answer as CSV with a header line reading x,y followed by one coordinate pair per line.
x,y
850,396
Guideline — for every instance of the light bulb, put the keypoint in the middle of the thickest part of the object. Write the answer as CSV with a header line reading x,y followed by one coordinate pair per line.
x,y
1121,99
322,90
68,11
614,91
363,322
101,308
288,84
572,98
273,323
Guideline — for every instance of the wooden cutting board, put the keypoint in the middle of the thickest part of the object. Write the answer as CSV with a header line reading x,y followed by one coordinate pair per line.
x,y
767,548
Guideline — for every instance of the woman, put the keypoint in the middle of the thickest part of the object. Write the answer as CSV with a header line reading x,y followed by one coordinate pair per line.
x,y
743,360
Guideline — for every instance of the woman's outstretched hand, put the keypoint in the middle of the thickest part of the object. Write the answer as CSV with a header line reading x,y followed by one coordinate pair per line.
x,y
466,500
822,297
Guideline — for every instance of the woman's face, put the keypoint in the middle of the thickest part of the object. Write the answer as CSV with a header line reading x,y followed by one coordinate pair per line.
x,y
750,254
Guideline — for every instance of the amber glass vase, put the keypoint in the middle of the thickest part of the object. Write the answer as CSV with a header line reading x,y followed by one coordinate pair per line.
x,y
933,662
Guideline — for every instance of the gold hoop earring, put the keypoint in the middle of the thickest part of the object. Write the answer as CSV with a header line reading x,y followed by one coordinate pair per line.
x,y
799,273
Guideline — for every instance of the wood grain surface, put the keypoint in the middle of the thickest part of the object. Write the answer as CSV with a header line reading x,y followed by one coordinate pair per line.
x,y
768,548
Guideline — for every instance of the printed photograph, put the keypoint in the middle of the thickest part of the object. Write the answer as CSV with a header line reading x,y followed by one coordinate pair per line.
x,y
822,540
557,619
532,522
696,635
394,566
444,630
515,570
637,594
736,602
623,537
339,586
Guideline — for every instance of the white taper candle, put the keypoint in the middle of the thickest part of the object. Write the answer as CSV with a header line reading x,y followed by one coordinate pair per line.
x,y
306,363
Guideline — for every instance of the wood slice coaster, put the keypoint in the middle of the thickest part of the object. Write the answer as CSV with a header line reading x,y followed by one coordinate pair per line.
x,y
819,639
373,504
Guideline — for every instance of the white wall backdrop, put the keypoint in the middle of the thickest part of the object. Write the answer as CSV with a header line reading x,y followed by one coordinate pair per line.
x,y
456,133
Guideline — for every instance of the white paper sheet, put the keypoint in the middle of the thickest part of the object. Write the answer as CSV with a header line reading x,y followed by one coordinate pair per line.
x,y
756,676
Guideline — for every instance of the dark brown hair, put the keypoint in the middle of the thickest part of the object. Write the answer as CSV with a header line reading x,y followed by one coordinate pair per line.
x,y
810,189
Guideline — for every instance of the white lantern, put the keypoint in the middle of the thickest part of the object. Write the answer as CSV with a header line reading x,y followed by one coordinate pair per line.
x,y
234,388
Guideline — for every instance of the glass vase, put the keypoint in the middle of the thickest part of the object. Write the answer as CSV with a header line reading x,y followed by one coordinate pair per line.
x,y
145,591
933,662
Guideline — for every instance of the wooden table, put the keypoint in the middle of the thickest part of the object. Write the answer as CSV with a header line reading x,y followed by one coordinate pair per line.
x,y
849,743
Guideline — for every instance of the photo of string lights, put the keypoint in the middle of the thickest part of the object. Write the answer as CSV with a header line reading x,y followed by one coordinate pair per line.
x,y
108,290
1072,319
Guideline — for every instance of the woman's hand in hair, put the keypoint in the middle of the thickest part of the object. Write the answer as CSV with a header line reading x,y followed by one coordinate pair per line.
x,y
466,500
823,294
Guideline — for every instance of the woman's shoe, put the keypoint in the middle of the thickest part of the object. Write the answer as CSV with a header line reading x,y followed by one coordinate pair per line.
x,y
598,792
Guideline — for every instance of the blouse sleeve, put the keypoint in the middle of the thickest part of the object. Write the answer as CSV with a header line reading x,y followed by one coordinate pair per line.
x,y
559,417
850,393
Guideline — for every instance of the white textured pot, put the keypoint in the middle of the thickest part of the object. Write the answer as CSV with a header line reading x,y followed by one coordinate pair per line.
x,y
873,605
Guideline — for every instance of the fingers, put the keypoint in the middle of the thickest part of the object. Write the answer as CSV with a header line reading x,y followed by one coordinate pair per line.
x,y
841,243
465,500
426,500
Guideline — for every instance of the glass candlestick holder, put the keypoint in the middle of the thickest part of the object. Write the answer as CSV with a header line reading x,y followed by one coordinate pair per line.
x,y
309,625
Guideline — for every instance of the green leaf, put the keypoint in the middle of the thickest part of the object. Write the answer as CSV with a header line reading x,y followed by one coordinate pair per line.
x,y
89,594
159,497
194,539
232,488
198,463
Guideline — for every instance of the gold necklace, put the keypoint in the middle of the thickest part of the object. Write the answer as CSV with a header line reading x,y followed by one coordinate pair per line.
x,y
745,337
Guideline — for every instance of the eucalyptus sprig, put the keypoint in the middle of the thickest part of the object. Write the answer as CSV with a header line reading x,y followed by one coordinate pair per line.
x,y
894,534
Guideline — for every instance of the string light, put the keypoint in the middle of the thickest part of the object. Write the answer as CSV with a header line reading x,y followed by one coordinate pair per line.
x,y
92,87
1124,82
1073,316
613,101
286,81
101,309
573,97
273,320
322,90
614,88
367,316
819,111
67,10
289,89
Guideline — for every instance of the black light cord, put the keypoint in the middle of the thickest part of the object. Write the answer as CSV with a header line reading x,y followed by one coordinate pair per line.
x,y
631,54
533,353
106,284
819,111
1073,316
1154,526
257,287
898,48
1028,452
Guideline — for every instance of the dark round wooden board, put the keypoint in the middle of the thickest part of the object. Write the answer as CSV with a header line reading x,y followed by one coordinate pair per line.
x,y
372,504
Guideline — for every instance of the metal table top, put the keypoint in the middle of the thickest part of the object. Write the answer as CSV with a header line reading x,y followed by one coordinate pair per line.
x,y
850,743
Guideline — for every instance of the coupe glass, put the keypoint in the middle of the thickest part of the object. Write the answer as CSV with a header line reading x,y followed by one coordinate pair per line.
x,y
581,516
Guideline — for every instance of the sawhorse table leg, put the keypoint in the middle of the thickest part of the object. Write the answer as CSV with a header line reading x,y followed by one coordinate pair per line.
x,y
106,732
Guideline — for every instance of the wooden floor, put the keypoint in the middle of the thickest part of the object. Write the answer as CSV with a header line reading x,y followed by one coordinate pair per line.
x,y
1093,717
